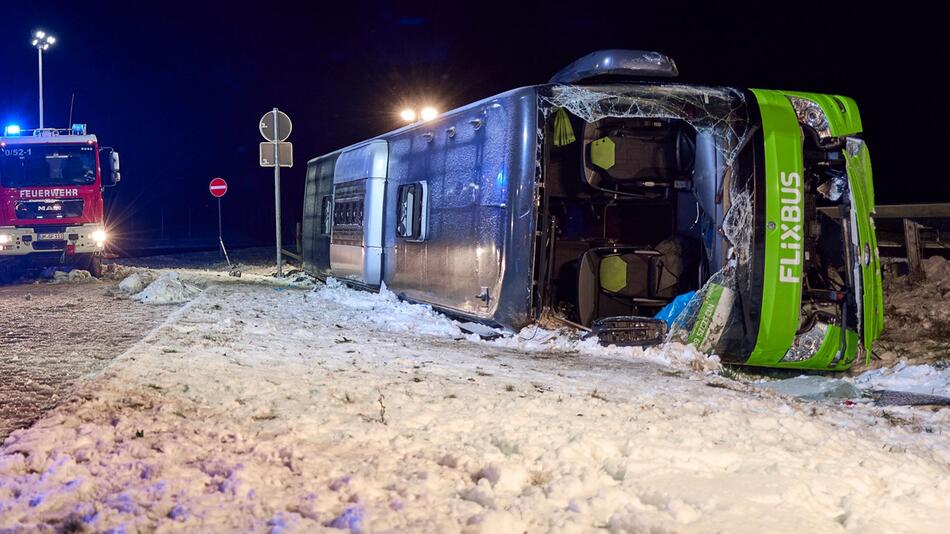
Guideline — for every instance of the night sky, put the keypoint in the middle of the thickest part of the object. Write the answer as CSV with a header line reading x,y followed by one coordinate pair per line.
x,y
178,88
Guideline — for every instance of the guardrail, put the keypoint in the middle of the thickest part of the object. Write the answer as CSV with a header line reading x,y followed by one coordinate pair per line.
x,y
298,241
920,230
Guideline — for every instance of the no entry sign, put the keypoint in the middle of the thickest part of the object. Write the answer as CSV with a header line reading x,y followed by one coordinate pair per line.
x,y
218,187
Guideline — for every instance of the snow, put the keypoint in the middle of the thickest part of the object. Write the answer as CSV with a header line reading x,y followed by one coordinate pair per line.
x,y
167,289
383,311
264,408
53,336
134,283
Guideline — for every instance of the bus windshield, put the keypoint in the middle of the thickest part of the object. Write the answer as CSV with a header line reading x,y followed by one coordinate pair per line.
x,y
47,165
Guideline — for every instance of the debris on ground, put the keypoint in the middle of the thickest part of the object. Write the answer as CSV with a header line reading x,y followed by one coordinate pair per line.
x,y
167,289
917,317
901,385
813,387
74,275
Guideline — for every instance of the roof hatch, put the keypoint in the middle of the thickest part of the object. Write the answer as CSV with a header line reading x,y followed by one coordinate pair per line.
x,y
627,63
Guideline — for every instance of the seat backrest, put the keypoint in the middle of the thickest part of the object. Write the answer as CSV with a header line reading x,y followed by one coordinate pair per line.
x,y
629,151
627,274
668,267
623,272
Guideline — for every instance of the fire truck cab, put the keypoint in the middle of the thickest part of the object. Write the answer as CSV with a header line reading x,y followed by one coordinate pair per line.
x,y
51,207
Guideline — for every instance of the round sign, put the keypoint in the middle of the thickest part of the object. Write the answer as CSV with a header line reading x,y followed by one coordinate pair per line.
x,y
283,126
218,187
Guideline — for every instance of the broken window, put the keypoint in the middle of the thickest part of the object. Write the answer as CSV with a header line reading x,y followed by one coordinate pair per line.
x,y
411,214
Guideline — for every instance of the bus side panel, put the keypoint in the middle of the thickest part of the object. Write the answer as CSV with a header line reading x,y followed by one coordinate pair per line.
x,y
317,211
467,166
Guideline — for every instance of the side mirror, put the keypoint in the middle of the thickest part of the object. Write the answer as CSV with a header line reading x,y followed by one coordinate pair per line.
x,y
109,161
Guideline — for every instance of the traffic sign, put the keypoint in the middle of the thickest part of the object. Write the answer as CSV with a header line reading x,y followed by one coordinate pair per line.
x,y
284,150
275,127
283,126
218,187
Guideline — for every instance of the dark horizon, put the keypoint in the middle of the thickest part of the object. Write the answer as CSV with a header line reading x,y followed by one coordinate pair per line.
x,y
178,90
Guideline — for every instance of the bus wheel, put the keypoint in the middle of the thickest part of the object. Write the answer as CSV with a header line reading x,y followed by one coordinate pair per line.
x,y
93,264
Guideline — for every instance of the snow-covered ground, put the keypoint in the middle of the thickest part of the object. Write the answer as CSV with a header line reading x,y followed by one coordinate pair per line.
x,y
924,379
52,335
260,408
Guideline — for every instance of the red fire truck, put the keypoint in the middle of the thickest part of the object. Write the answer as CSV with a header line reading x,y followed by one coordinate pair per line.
x,y
51,209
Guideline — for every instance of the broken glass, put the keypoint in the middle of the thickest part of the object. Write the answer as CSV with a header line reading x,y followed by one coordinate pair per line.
x,y
718,111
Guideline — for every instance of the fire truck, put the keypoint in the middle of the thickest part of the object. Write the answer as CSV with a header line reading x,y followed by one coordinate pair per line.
x,y
51,207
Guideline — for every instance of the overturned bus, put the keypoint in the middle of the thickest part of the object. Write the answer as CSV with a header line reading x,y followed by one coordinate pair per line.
x,y
609,193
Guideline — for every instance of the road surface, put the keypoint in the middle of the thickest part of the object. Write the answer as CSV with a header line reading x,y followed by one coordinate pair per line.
x,y
53,335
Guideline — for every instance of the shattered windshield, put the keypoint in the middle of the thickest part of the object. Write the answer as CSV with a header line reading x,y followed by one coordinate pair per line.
x,y
718,111
724,195
46,165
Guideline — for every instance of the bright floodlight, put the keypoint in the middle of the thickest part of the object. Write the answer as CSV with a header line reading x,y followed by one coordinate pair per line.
x,y
408,115
429,113
99,236
42,41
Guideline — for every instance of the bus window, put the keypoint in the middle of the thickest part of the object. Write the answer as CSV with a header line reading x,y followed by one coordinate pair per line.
x,y
411,213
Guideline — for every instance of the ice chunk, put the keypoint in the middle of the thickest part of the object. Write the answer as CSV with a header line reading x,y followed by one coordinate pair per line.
x,y
813,387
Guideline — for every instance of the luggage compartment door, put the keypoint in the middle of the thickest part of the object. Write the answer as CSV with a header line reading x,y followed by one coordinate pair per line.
x,y
359,187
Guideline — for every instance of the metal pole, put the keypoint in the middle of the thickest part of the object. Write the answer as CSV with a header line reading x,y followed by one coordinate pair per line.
x,y
40,51
221,235
280,270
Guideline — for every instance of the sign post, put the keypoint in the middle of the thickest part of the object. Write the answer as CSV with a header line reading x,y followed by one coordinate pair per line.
x,y
275,127
218,187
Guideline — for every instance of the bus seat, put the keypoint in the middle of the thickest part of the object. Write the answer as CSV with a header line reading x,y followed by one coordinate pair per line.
x,y
625,274
614,280
630,152
669,267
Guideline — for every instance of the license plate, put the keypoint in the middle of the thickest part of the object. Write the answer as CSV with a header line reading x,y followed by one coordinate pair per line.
x,y
51,237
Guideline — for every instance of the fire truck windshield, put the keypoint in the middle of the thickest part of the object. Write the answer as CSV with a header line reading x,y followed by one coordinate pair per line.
x,y
46,164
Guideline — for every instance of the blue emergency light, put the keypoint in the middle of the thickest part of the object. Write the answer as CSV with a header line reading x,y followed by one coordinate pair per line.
x,y
11,129
79,129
